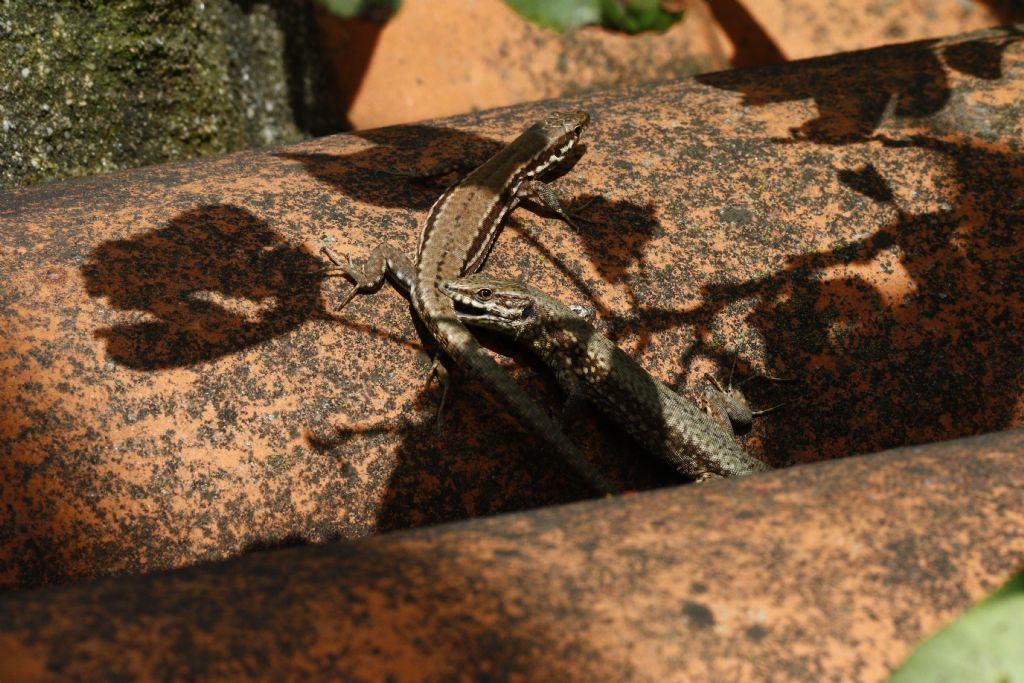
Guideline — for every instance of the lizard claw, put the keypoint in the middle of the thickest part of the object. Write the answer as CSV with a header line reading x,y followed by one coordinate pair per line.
x,y
348,297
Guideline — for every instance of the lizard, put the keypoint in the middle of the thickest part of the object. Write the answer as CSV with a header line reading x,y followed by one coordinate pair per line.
x,y
457,234
730,406
588,365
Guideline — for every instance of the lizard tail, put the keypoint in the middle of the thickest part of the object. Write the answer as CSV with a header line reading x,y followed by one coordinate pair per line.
x,y
467,353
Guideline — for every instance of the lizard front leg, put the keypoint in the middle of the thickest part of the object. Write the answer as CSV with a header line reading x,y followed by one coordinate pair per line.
x,y
542,192
369,275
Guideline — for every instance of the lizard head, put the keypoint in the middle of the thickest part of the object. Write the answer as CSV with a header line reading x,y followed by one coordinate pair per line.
x,y
500,305
572,122
560,131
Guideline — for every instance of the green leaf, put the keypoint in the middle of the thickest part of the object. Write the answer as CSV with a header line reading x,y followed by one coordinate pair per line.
x,y
986,644
560,15
627,15
634,16
376,10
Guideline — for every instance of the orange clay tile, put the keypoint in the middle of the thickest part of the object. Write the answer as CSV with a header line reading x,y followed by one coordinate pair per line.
x,y
756,31
177,387
828,572
442,57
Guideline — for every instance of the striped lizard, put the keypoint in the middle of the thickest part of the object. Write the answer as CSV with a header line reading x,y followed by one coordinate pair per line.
x,y
588,365
457,235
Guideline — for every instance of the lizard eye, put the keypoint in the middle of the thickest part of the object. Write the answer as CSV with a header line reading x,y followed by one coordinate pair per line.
x,y
577,131
483,294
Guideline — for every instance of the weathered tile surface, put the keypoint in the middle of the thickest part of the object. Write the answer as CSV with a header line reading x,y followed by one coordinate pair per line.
x,y
176,387
828,572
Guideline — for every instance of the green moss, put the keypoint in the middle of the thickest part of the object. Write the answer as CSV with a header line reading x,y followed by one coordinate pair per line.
x,y
93,86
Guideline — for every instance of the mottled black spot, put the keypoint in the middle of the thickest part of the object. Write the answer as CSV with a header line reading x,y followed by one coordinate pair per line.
x,y
699,615
698,587
735,214
756,633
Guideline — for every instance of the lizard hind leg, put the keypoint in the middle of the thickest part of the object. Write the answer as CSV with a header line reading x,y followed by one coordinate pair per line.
x,y
766,378
729,406
439,372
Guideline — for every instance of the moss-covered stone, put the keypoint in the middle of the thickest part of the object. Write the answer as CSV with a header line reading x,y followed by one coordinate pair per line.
x,y
89,86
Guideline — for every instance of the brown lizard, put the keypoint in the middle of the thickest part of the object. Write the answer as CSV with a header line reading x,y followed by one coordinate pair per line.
x,y
457,235
588,365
